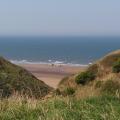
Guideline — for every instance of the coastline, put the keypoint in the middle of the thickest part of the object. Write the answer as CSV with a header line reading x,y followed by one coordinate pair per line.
x,y
52,74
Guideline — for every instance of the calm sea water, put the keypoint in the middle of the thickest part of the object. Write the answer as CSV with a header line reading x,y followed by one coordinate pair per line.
x,y
73,50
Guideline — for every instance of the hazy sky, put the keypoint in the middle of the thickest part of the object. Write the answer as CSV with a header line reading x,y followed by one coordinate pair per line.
x,y
59,17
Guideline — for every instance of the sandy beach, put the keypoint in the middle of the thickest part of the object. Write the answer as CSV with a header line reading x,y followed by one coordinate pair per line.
x,y
51,74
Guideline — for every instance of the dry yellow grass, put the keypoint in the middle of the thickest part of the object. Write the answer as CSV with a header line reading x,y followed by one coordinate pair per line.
x,y
103,70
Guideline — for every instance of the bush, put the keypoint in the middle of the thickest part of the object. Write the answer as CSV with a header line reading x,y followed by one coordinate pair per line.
x,y
116,66
57,92
84,77
111,87
69,91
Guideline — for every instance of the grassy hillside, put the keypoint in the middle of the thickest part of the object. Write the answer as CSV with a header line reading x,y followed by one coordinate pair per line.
x,y
103,77
16,79
58,108
93,94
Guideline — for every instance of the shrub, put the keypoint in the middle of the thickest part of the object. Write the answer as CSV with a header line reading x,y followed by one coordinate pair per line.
x,y
84,77
111,87
69,91
116,66
57,92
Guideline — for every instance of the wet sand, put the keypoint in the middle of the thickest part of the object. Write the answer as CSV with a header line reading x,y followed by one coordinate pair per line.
x,y
51,74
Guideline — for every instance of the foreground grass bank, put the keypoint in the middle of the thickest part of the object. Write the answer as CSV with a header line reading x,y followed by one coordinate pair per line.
x,y
99,108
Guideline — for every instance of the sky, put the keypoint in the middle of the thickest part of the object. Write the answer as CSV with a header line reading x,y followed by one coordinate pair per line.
x,y
60,17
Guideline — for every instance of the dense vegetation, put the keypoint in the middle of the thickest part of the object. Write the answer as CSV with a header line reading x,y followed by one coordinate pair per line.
x,y
111,87
95,108
116,66
93,94
16,79
84,77
99,78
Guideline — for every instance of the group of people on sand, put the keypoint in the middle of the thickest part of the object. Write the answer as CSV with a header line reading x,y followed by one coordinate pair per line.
x,y
55,65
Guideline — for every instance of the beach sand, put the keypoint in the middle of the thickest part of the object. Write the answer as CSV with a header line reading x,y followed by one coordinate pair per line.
x,y
51,74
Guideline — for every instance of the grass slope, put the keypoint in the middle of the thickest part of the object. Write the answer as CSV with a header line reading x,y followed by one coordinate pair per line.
x,y
94,105
97,79
97,108
16,79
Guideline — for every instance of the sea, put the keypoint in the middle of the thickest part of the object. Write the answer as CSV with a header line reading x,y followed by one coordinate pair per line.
x,y
57,50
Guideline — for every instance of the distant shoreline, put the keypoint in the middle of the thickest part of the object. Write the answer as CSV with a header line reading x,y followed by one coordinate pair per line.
x,y
75,51
52,74
57,63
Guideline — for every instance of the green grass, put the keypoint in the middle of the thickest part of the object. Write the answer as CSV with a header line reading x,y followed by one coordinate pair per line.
x,y
16,79
68,108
